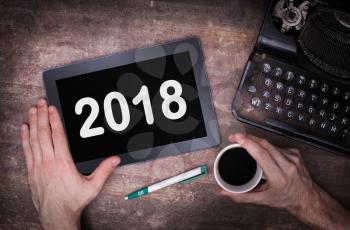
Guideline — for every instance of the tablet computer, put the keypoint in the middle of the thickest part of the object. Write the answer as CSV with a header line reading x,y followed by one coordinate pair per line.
x,y
139,105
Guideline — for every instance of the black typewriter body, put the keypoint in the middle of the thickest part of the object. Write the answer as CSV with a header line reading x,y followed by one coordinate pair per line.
x,y
293,87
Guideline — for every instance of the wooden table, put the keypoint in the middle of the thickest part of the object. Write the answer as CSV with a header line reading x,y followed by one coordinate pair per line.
x,y
37,35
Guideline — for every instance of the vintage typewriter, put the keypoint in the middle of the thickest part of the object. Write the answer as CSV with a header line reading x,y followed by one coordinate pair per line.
x,y
297,80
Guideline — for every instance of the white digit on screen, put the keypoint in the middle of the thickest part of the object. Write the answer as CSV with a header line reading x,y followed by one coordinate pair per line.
x,y
107,105
175,97
86,130
143,96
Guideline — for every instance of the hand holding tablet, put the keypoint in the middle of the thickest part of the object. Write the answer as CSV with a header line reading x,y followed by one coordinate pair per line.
x,y
59,191
141,105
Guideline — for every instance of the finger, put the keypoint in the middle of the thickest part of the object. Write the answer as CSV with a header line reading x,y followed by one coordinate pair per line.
x,y
102,172
275,152
295,151
44,130
262,186
260,154
250,197
28,155
58,136
294,156
33,131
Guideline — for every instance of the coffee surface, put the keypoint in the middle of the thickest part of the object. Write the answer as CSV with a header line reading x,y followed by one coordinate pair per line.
x,y
237,167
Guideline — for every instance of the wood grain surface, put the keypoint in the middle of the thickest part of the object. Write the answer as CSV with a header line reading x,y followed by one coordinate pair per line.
x,y
37,35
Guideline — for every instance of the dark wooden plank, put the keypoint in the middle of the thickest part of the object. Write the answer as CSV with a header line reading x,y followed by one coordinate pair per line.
x,y
37,35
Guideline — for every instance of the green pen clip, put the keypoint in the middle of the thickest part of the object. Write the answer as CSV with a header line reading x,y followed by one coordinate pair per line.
x,y
204,172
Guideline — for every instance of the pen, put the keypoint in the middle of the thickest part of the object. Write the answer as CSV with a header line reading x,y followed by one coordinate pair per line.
x,y
181,178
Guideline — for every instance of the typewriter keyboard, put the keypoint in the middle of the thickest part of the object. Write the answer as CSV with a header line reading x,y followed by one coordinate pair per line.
x,y
286,99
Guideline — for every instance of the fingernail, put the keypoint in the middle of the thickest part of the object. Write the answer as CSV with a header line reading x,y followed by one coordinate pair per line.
x,y
239,135
221,193
115,162
24,127
33,110
51,109
234,137
41,102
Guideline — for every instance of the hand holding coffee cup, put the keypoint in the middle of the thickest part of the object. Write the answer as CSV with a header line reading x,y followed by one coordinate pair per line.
x,y
288,185
288,182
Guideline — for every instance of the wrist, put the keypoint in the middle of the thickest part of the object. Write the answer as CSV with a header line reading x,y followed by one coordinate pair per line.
x,y
60,219
308,202
319,210
69,224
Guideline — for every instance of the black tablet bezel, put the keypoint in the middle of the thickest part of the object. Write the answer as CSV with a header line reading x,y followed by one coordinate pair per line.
x,y
189,44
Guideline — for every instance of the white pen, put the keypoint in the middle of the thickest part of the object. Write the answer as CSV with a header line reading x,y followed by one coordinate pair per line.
x,y
181,178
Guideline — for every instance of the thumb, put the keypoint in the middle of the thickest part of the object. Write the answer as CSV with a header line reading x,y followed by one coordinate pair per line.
x,y
103,171
250,197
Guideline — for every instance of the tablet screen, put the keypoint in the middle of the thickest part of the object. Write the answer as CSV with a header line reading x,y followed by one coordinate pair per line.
x,y
131,107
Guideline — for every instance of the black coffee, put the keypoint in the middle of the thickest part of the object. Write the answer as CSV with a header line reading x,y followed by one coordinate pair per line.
x,y
236,166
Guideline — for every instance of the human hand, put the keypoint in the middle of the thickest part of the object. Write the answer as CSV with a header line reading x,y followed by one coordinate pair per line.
x,y
289,186
287,178
59,191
